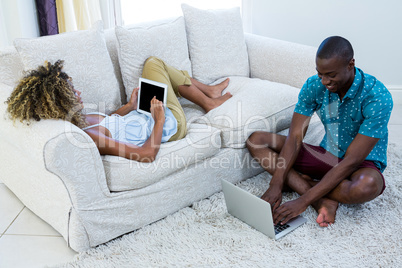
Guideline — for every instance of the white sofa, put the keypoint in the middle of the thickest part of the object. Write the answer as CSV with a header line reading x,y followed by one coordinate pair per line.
x,y
55,169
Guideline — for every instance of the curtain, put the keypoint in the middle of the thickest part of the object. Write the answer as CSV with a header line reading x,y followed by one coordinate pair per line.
x,y
47,17
111,13
18,19
247,15
3,31
77,14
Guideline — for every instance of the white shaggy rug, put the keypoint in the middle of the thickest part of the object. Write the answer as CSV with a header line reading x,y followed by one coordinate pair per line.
x,y
205,235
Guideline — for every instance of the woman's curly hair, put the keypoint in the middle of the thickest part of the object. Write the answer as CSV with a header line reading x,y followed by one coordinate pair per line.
x,y
44,93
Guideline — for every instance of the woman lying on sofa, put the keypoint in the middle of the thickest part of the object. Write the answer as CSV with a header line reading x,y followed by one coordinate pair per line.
x,y
48,93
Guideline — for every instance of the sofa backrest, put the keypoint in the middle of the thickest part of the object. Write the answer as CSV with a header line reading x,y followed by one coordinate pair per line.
x,y
107,83
12,66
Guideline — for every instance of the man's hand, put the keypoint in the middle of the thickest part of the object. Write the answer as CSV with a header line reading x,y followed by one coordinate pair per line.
x,y
289,210
273,196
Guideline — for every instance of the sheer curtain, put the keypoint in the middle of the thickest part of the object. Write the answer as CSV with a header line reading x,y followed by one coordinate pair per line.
x,y
247,15
111,13
75,15
3,31
18,19
81,14
140,11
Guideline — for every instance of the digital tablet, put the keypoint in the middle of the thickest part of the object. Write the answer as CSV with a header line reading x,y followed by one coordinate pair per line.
x,y
147,90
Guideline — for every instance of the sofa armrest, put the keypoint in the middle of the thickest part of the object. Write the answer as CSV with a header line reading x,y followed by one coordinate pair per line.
x,y
280,61
73,157
27,152
52,171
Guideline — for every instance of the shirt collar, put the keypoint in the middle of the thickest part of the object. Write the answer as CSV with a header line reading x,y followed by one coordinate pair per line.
x,y
357,82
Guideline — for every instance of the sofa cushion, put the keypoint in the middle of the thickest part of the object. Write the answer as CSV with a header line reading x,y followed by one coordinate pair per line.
x,y
256,105
86,60
201,142
164,39
216,43
11,66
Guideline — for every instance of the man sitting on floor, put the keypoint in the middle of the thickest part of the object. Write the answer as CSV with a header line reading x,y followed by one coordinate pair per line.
x,y
347,167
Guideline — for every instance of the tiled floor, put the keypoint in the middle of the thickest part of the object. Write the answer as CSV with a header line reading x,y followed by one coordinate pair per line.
x,y
27,241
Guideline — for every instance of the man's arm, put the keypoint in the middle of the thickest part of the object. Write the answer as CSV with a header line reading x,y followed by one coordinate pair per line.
x,y
356,153
286,159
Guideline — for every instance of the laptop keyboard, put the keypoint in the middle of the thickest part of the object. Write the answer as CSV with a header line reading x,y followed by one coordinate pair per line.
x,y
279,228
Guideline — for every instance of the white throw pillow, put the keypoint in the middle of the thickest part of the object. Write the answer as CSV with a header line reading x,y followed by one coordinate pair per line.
x,y
11,67
86,60
216,43
165,39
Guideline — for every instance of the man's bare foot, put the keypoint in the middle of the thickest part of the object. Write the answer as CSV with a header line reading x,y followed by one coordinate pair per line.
x,y
217,102
326,209
216,90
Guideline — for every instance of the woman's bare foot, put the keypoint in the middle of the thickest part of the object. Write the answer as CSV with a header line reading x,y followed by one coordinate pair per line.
x,y
216,90
326,209
215,102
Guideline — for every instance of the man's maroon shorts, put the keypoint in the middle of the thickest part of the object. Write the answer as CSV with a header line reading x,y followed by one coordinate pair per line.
x,y
315,162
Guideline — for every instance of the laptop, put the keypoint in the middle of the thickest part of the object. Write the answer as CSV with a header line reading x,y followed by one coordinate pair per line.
x,y
147,90
256,212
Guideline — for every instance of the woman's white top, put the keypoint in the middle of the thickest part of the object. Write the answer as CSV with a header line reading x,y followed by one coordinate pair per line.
x,y
135,127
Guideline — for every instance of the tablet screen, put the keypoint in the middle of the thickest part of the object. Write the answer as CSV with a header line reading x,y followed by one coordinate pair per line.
x,y
148,91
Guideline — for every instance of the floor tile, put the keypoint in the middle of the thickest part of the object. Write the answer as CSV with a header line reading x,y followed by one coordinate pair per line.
x,y
33,251
27,223
10,207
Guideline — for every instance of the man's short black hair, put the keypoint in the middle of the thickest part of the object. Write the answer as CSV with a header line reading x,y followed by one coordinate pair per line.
x,y
335,46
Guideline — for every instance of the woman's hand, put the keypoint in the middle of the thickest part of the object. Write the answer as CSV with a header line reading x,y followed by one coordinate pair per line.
x,y
129,106
134,99
157,110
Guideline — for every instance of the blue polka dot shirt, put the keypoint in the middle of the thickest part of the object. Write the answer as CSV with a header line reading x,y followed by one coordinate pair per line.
x,y
365,109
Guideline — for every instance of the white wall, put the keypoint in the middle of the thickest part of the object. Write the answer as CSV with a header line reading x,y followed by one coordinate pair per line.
x,y
372,26
18,19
